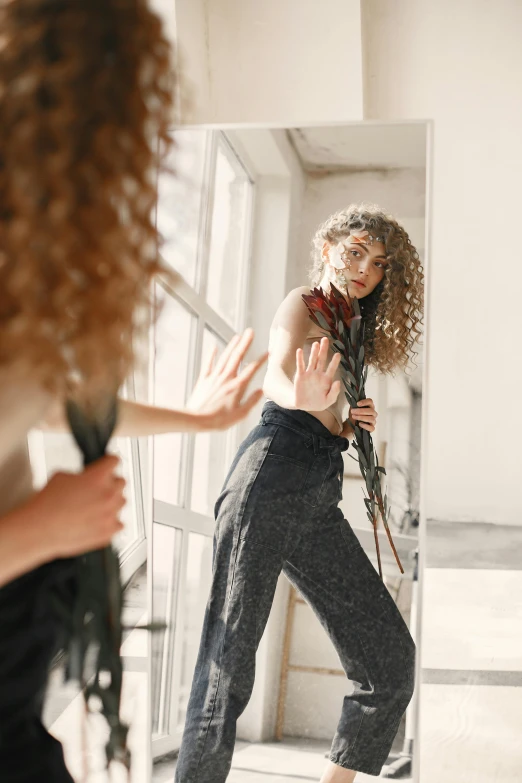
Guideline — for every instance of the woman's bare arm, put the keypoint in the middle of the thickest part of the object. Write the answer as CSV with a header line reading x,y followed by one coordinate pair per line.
x,y
288,332
217,401
288,381
134,420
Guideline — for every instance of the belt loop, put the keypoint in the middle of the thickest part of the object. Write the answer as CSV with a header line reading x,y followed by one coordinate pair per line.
x,y
316,443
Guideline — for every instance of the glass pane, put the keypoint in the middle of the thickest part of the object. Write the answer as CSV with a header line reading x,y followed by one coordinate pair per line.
x,y
61,453
171,367
211,451
199,576
179,202
228,231
166,553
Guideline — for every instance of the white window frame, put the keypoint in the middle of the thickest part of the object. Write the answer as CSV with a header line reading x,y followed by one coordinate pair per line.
x,y
193,298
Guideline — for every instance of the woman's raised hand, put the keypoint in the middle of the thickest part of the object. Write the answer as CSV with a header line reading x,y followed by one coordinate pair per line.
x,y
314,385
219,395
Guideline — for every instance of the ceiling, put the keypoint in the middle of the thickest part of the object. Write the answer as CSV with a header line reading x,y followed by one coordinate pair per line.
x,y
365,146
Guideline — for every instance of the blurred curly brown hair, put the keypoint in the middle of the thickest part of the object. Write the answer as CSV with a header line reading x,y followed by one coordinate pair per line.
x,y
85,99
392,313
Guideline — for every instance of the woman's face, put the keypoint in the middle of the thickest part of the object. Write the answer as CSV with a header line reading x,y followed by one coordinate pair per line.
x,y
364,265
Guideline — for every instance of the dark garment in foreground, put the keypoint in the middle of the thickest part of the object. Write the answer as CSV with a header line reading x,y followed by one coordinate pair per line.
x,y
39,615
278,511
31,633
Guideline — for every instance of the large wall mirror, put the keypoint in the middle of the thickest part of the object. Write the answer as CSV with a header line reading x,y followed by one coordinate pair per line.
x,y
252,200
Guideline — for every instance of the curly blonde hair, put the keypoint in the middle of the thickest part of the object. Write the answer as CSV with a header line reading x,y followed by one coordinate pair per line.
x,y
392,313
85,101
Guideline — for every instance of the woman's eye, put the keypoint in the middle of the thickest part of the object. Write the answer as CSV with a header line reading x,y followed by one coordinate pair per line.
x,y
355,253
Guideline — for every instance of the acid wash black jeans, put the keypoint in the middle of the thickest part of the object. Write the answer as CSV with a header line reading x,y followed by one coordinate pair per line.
x,y
278,511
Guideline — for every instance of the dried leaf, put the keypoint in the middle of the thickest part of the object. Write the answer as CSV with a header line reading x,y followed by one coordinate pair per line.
x,y
351,378
362,460
322,321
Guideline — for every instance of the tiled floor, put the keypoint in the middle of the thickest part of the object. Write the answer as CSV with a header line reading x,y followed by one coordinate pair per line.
x,y
471,734
472,618
471,695
290,761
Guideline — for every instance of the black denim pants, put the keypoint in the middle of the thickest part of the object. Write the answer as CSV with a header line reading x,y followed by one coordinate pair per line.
x,y
278,511
31,633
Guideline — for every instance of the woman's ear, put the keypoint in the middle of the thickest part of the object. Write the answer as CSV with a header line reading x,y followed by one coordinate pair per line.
x,y
325,251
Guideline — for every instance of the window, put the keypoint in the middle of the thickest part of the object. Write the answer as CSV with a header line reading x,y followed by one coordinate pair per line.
x,y
227,235
179,210
209,244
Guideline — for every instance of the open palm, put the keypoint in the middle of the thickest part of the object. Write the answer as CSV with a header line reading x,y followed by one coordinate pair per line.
x,y
314,385
219,393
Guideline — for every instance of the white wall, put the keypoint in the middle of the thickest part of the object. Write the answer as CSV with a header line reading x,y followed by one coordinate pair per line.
x,y
235,51
460,64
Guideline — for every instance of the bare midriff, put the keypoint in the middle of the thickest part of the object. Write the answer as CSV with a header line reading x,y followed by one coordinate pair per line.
x,y
329,421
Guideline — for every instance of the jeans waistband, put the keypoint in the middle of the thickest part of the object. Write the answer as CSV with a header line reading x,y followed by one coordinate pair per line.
x,y
313,432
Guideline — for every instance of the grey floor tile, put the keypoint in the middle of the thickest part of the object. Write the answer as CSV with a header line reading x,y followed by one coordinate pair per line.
x,y
471,734
473,545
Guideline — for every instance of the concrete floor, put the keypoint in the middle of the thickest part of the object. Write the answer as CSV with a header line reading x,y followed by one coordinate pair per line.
x,y
290,761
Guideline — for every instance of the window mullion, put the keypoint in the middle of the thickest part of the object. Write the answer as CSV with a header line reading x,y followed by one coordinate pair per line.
x,y
207,206
190,438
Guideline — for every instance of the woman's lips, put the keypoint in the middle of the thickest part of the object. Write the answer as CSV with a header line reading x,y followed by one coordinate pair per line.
x,y
358,283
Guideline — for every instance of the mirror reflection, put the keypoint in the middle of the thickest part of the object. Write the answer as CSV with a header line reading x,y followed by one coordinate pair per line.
x,y
284,550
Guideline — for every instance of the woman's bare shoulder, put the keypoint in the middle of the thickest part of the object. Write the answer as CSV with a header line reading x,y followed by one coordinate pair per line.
x,y
293,318
300,290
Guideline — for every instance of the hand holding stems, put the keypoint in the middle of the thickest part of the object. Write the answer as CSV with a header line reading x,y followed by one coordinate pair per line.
x,y
364,415
82,509
314,385
71,515
218,395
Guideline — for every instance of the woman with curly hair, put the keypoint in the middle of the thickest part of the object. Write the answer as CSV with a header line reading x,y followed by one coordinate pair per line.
x,y
278,511
85,102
